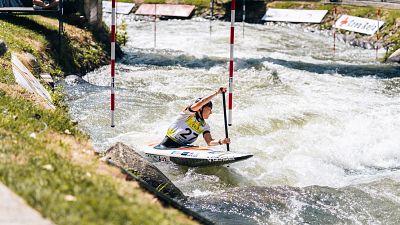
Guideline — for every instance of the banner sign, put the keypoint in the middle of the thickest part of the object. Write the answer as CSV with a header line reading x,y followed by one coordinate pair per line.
x,y
295,15
26,80
358,24
165,10
122,7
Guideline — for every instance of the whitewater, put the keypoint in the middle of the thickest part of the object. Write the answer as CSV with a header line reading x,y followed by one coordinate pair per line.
x,y
323,125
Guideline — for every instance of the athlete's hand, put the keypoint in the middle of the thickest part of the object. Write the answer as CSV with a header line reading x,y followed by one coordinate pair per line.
x,y
221,90
225,141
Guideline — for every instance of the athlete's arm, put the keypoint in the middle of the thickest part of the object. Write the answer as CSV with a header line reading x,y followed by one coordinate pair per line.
x,y
197,106
211,142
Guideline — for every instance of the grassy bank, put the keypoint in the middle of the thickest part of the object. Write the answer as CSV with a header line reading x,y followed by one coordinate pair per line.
x,y
44,158
390,33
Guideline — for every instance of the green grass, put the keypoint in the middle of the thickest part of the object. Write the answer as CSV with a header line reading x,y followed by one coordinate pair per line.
x,y
14,42
43,164
78,54
24,167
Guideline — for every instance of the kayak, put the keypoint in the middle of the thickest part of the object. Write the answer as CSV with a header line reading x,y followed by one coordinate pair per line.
x,y
194,156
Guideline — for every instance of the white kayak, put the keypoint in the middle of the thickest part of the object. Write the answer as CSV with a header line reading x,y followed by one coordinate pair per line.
x,y
194,155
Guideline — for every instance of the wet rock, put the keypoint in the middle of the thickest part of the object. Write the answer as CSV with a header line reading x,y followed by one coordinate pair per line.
x,y
257,203
46,77
74,122
127,158
3,47
395,57
391,86
274,78
74,80
32,61
354,42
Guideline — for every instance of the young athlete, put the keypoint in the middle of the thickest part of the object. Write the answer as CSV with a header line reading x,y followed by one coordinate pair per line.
x,y
191,123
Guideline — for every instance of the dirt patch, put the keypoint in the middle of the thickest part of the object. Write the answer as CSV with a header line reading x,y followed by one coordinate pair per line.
x,y
16,91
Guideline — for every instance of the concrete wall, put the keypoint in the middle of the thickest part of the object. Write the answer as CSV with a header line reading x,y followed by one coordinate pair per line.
x,y
93,12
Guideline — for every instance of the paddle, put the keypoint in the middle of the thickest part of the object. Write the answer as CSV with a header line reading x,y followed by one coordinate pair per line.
x,y
226,123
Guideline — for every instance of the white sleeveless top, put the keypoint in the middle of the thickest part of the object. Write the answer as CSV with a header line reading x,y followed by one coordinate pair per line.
x,y
186,128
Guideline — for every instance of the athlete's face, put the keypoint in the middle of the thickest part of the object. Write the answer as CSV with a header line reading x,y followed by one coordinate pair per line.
x,y
206,112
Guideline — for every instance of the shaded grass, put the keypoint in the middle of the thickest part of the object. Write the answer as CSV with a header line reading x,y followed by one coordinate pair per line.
x,y
39,36
20,39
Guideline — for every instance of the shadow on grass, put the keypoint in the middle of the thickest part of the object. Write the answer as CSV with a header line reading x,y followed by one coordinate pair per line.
x,y
71,56
51,35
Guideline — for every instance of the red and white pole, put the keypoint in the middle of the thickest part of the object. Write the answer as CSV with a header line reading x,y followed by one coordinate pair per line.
x,y
113,18
334,29
155,25
230,101
244,15
211,14
377,35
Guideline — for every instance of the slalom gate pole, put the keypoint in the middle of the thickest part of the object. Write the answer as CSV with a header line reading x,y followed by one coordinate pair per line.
x,y
211,14
244,15
230,101
377,36
334,29
225,122
155,25
113,18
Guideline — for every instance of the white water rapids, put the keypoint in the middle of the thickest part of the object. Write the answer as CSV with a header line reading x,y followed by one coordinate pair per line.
x,y
319,123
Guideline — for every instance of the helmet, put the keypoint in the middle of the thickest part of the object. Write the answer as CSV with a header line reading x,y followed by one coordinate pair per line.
x,y
208,104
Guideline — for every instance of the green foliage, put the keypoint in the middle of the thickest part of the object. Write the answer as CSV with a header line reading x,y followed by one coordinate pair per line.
x,y
205,3
15,43
155,1
161,187
122,35
58,97
22,117
286,5
6,75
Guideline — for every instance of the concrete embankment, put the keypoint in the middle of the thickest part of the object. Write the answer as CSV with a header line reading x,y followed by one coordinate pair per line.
x,y
14,210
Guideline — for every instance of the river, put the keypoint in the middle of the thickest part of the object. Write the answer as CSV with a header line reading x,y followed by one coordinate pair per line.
x,y
324,126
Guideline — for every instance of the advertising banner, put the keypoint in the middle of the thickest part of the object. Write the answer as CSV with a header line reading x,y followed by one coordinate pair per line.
x,y
165,10
358,24
26,80
295,15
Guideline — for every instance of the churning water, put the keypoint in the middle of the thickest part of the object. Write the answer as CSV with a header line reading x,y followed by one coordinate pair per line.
x,y
324,127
